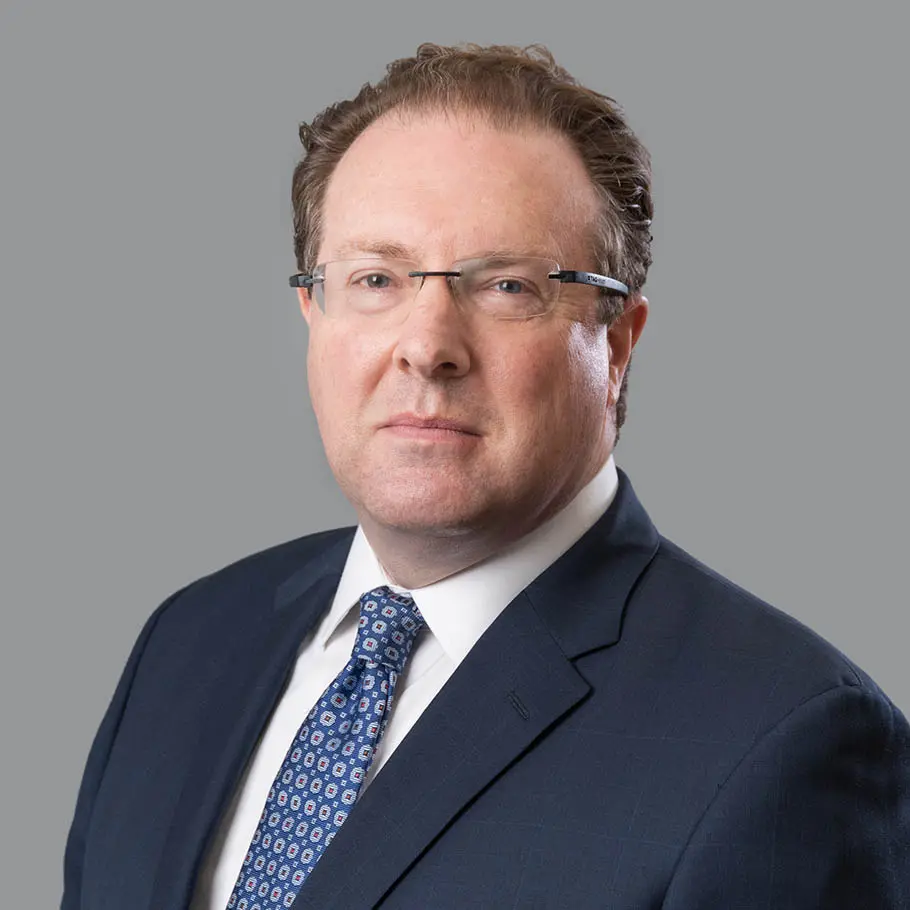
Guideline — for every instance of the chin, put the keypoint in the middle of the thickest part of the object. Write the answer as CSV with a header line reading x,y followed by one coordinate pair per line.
x,y
425,518
436,512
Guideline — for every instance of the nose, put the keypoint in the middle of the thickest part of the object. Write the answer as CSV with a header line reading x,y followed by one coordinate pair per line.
x,y
433,341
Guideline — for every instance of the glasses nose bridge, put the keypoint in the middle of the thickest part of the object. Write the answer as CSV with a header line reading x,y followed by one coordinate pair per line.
x,y
451,277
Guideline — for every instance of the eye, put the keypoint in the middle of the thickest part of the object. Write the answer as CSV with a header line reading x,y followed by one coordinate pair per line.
x,y
510,286
374,281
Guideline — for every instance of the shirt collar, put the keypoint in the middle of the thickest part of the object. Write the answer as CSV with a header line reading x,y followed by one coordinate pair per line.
x,y
459,609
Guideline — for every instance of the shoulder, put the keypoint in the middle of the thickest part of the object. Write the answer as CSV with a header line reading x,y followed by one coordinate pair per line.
x,y
729,649
276,562
248,585
813,763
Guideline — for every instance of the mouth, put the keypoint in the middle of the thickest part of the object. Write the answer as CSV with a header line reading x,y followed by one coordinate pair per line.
x,y
431,428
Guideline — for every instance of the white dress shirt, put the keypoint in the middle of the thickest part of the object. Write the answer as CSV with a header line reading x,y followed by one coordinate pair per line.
x,y
457,610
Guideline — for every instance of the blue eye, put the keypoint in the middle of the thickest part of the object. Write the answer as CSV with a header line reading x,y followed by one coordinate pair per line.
x,y
510,286
376,281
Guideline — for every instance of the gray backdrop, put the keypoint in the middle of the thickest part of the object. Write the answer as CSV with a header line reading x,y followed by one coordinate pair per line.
x,y
155,415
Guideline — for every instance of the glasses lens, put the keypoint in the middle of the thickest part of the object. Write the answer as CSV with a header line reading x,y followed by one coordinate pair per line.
x,y
364,287
502,287
508,288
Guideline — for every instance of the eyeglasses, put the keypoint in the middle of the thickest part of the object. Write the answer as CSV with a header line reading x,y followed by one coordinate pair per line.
x,y
503,287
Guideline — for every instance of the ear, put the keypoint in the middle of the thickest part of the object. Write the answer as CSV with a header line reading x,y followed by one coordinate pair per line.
x,y
306,303
622,337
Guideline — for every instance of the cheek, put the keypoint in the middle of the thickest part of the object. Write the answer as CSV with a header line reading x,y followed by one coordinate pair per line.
x,y
555,385
588,365
520,387
340,370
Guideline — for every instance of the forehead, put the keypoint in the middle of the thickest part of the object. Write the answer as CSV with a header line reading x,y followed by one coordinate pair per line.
x,y
451,184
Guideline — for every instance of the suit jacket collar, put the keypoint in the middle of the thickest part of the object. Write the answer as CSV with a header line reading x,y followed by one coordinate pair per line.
x,y
582,596
327,564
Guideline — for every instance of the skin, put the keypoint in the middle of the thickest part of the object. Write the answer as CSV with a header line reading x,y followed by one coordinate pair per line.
x,y
537,396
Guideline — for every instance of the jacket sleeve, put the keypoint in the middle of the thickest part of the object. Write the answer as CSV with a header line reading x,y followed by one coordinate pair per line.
x,y
96,764
815,817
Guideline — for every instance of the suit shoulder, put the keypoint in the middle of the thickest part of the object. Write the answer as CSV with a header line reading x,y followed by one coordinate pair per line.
x,y
738,625
290,554
235,585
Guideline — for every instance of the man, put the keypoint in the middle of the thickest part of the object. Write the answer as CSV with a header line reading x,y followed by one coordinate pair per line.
x,y
505,688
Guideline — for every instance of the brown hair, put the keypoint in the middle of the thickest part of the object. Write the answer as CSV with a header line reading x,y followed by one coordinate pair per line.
x,y
512,87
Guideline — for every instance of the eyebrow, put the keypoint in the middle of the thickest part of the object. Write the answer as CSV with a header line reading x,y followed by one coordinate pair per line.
x,y
387,249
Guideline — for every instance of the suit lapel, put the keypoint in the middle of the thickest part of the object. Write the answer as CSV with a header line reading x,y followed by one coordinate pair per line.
x,y
242,703
515,683
582,597
512,685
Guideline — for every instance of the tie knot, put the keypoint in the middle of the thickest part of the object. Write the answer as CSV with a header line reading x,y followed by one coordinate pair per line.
x,y
388,627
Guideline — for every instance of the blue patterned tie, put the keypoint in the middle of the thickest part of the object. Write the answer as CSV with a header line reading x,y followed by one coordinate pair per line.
x,y
321,775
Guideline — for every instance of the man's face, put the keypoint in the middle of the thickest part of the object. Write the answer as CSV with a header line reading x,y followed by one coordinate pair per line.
x,y
531,397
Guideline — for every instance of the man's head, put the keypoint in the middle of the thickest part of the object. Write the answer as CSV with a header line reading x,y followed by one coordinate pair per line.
x,y
456,154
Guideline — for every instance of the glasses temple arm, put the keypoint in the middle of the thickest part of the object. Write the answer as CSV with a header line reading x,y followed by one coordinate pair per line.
x,y
569,276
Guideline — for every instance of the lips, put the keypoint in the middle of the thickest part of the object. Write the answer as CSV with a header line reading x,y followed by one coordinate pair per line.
x,y
431,423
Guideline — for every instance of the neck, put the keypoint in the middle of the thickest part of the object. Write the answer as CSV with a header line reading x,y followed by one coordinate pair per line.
x,y
416,557
414,560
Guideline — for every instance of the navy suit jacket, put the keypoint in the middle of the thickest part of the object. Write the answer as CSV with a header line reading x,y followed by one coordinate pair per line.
x,y
633,731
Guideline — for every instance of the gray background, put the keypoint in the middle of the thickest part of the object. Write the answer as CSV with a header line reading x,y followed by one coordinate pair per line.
x,y
152,358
